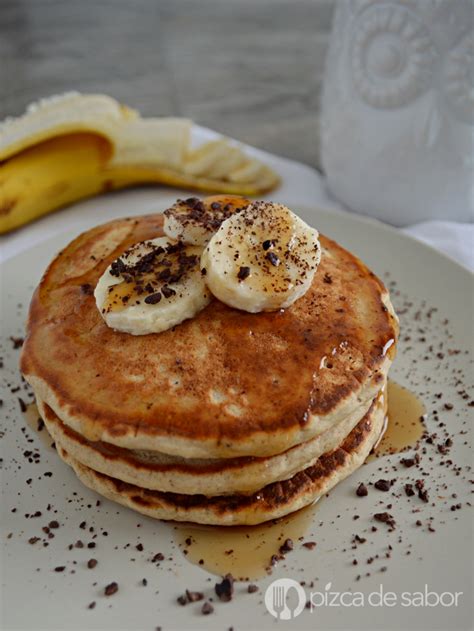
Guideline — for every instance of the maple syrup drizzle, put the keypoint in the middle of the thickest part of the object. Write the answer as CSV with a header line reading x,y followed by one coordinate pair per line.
x,y
123,295
404,423
166,268
244,551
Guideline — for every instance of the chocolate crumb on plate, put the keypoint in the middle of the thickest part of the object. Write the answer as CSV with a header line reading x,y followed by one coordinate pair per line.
x,y
385,518
111,589
382,485
423,495
194,596
17,342
207,608
159,556
286,547
225,589
309,545
410,462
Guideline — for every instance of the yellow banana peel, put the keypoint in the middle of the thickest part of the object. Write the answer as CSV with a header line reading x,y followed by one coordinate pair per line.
x,y
68,148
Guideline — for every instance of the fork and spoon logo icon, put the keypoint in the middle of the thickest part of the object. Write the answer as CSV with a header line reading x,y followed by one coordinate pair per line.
x,y
280,601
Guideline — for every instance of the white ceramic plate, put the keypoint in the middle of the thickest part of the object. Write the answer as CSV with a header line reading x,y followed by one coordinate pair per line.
x,y
34,596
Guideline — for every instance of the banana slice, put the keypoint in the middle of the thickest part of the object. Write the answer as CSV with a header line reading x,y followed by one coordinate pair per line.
x,y
194,221
152,287
233,159
199,161
261,259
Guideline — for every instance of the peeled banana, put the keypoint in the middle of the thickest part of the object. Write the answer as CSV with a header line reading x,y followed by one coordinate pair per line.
x,y
74,146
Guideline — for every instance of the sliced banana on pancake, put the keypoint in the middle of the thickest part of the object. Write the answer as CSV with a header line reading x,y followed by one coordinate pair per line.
x,y
152,287
261,259
195,221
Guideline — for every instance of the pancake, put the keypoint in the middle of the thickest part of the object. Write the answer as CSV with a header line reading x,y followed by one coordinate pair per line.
x,y
224,384
158,471
271,502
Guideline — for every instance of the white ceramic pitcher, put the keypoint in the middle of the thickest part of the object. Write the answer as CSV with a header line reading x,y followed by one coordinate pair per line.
x,y
397,123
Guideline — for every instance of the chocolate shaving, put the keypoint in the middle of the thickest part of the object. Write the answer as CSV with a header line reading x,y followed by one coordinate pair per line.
x,y
385,518
225,589
243,273
167,291
207,608
310,545
273,258
266,245
153,299
382,485
17,342
193,597
286,547
111,589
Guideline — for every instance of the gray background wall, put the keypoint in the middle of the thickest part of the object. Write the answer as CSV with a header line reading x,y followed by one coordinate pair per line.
x,y
249,68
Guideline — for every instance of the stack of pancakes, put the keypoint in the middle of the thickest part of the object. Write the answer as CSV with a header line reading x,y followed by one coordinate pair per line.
x,y
229,418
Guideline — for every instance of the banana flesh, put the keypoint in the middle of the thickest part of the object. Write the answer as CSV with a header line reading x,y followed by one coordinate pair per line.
x,y
195,221
262,258
152,287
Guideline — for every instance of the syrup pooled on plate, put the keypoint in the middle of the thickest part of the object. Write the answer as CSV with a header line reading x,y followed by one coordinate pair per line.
x,y
243,551
404,423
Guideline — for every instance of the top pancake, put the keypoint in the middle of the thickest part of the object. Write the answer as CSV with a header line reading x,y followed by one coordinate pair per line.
x,y
224,384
